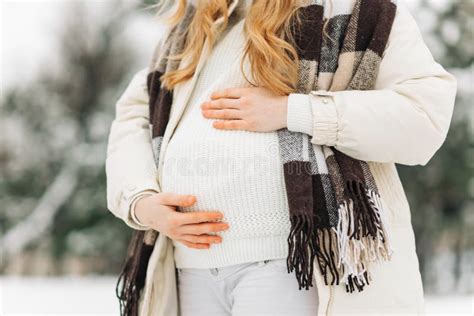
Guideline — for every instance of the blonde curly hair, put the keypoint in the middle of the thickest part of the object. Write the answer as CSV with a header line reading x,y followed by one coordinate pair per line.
x,y
273,59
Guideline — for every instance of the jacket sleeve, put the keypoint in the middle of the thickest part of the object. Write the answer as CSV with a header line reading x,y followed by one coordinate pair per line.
x,y
404,120
130,166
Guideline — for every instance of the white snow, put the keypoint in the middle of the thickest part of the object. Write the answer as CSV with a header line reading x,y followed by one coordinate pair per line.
x,y
95,295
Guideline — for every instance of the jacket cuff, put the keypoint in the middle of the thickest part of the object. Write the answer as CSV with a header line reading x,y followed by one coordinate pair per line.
x,y
299,117
325,118
133,203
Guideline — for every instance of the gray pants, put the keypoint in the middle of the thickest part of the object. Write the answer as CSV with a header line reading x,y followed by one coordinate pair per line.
x,y
248,289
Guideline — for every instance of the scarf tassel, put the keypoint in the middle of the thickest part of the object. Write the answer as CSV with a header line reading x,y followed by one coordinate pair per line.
x,y
132,277
361,234
327,255
300,256
306,244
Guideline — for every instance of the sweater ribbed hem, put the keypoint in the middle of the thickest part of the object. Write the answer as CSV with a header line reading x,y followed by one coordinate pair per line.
x,y
231,252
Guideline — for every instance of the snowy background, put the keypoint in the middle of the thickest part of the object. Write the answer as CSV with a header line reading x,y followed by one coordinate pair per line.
x,y
64,63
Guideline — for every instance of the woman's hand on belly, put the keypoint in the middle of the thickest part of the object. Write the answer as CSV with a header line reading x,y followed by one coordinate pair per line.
x,y
254,109
159,212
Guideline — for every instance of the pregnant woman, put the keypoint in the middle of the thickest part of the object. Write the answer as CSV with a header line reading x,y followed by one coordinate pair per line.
x,y
255,159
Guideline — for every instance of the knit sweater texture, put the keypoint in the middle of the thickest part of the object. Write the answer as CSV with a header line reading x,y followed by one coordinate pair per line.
x,y
235,172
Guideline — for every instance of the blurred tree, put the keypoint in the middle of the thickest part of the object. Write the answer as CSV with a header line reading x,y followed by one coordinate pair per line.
x,y
52,177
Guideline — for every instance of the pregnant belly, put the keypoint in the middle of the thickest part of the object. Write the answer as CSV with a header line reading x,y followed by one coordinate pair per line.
x,y
241,178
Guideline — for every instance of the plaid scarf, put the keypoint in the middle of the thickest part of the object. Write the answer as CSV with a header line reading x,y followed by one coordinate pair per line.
x,y
336,213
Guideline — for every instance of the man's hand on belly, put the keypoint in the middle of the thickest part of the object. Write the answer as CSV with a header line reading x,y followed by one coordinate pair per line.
x,y
159,212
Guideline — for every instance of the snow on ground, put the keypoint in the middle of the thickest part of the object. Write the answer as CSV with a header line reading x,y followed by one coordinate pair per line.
x,y
95,295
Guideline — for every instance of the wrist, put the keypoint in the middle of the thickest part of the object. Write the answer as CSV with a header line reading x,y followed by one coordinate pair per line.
x,y
284,112
138,209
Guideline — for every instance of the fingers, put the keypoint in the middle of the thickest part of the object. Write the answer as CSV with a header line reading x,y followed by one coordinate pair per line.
x,y
226,114
193,245
197,217
201,239
202,228
222,103
199,242
174,199
232,125
232,93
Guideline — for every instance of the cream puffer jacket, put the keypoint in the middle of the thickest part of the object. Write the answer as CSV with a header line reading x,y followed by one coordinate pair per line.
x,y
405,120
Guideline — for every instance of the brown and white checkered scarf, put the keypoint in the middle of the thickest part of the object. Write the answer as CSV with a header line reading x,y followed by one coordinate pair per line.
x,y
335,209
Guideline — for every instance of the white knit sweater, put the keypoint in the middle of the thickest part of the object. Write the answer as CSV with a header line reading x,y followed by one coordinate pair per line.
x,y
235,172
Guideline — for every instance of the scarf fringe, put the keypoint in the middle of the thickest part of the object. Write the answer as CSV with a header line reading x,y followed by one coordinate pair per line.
x,y
321,244
300,256
362,235
344,253
132,277
327,255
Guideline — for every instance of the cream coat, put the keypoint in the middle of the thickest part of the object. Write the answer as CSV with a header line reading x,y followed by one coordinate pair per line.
x,y
404,120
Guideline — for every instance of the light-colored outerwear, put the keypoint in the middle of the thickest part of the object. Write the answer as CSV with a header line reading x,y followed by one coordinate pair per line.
x,y
405,120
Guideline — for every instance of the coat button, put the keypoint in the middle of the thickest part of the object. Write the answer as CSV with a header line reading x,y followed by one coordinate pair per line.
x,y
325,101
